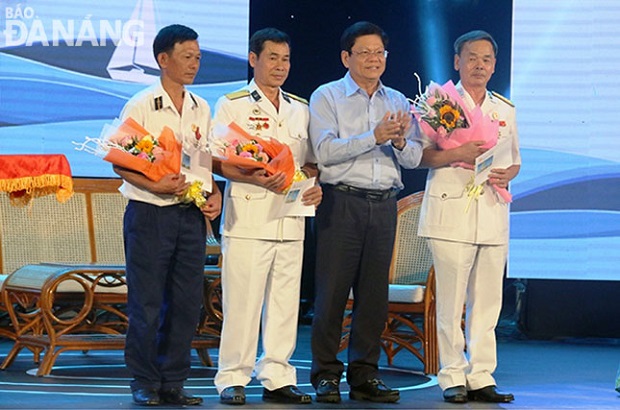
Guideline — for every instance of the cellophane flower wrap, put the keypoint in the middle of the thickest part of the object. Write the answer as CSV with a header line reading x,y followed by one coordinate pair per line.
x,y
129,145
233,145
445,119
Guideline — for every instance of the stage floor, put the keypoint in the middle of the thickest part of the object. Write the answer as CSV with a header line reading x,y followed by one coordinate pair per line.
x,y
560,374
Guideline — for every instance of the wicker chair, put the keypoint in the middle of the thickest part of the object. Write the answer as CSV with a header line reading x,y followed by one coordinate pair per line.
x,y
411,323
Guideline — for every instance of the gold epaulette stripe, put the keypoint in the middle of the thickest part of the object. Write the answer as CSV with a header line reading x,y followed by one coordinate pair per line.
x,y
504,99
237,94
300,99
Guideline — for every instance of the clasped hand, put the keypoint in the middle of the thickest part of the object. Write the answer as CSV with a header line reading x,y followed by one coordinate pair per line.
x,y
171,184
500,177
312,196
274,183
469,151
393,127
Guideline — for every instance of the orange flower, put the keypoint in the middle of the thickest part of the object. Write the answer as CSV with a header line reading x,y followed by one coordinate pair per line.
x,y
146,144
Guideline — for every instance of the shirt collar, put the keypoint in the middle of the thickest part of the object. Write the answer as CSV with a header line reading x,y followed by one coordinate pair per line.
x,y
489,96
162,99
351,87
256,94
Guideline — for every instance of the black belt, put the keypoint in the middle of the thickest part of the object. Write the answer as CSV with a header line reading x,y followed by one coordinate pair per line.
x,y
370,194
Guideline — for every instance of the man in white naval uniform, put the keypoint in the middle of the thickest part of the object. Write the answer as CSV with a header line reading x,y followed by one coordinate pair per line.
x,y
469,244
261,271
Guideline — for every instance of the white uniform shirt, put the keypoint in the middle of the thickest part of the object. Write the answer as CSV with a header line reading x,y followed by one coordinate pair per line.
x,y
443,214
153,109
247,206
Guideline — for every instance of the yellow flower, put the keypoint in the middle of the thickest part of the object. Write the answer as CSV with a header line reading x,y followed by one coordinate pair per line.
x,y
449,116
251,148
194,194
146,144
298,176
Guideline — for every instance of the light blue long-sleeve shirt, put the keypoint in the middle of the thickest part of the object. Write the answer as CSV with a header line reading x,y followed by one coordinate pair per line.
x,y
342,122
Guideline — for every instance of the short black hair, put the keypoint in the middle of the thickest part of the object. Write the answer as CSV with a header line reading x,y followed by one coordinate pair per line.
x,y
258,39
168,36
359,29
474,35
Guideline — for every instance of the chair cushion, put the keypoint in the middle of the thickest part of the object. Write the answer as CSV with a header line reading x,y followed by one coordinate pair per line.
x,y
403,293
406,293
71,286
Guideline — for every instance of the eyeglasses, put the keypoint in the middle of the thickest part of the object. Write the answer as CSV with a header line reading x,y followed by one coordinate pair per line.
x,y
366,54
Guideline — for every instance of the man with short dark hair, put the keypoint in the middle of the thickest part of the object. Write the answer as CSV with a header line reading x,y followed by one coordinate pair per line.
x,y
262,254
468,234
360,131
164,238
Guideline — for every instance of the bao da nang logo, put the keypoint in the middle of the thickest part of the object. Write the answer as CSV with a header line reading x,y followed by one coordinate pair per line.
x,y
132,59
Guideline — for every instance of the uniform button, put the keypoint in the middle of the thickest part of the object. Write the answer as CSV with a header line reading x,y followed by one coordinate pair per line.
x,y
444,195
482,192
248,197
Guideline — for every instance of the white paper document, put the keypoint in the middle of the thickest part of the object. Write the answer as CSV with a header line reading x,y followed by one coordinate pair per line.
x,y
290,204
196,165
500,156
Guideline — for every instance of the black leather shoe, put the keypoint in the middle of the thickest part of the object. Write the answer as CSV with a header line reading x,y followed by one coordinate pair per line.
x,y
456,394
374,390
178,396
287,394
233,395
146,397
490,394
328,391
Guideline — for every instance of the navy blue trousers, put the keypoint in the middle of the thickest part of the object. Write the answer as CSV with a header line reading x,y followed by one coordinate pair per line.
x,y
165,255
355,237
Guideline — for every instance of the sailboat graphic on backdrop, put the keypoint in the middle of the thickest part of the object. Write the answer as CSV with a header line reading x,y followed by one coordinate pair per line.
x,y
133,61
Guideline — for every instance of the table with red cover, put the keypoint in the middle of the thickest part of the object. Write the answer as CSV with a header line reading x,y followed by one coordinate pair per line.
x,y
24,177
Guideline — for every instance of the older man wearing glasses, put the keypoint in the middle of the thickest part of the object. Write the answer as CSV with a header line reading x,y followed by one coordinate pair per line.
x,y
360,131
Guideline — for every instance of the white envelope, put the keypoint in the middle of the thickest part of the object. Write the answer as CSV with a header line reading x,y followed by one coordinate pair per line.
x,y
500,156
290,204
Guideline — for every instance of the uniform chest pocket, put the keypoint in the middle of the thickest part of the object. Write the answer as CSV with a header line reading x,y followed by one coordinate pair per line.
x,y
446,191
247,191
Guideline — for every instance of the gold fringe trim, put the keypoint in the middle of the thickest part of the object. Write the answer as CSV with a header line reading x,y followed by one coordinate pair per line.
x,y
473,192
35,187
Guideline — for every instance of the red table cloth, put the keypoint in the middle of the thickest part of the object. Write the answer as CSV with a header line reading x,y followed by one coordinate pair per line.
x,y
25,177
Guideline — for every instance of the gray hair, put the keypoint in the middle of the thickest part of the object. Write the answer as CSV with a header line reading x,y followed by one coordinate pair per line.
x,y
474,35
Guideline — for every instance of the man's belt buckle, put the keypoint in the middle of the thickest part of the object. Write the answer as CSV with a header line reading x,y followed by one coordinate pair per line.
x,y
377,196
366,193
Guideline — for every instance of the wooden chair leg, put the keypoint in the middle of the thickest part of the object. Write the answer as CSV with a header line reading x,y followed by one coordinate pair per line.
x,y
205,357
8,360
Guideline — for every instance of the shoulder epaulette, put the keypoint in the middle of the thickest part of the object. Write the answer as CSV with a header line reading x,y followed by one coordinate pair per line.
x,y
504,99
300,99
237,94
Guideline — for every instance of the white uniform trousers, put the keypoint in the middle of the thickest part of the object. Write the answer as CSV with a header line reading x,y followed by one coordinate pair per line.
x,y
259,276
467,274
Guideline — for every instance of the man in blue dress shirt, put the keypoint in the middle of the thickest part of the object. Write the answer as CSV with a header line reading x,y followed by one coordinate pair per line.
x,y
360,131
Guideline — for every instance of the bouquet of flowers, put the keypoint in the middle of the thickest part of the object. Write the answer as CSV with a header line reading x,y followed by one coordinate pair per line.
x,y
129,145
235,146
444,118
438,113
